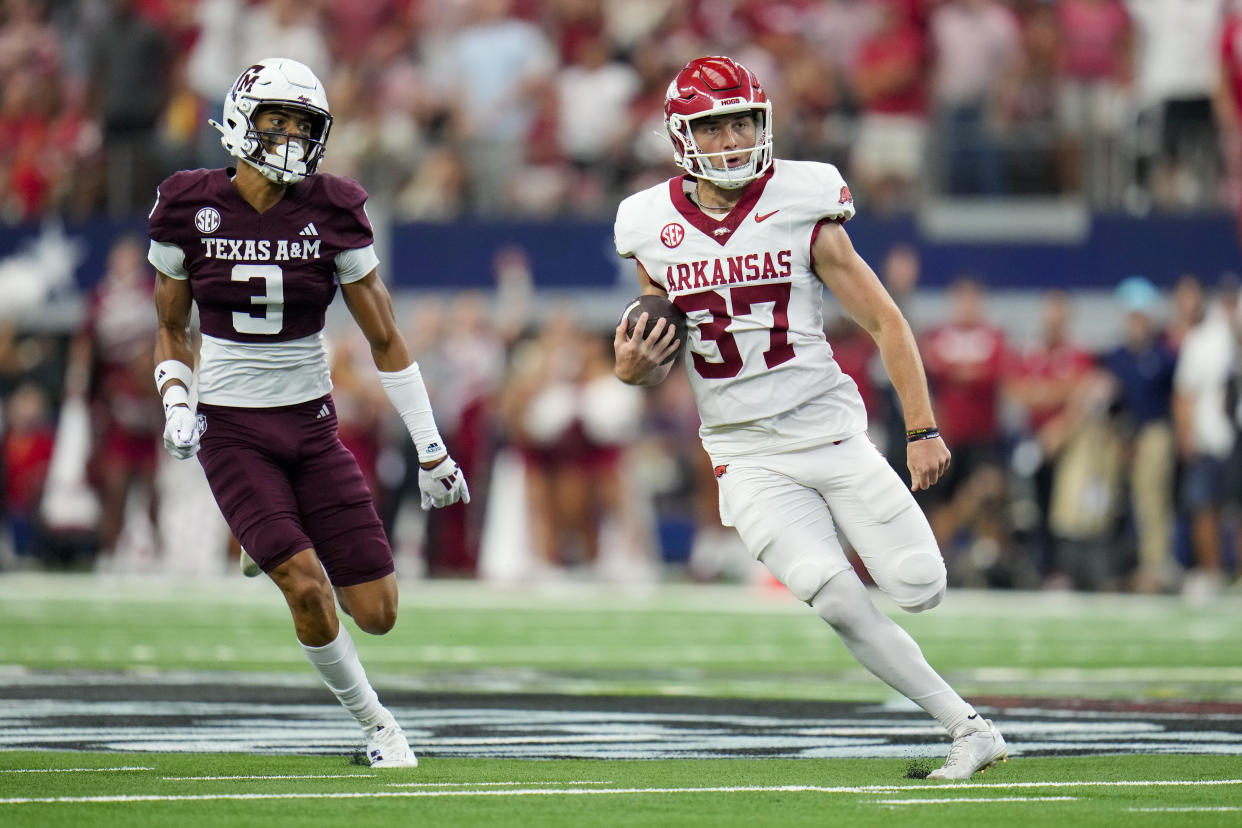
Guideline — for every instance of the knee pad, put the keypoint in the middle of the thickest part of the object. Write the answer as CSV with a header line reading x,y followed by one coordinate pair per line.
x,y
917,581
803,573
930,603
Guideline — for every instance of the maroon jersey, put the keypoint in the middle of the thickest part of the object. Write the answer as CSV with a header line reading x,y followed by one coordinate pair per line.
x,y
260,277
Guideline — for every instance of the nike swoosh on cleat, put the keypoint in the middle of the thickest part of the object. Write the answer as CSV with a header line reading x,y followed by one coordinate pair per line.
x,y
765,216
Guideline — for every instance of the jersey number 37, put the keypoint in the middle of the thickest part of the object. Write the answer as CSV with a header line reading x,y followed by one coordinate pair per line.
x,y
739,303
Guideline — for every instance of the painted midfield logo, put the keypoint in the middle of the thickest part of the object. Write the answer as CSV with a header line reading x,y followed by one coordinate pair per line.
x,y
54,713
207,220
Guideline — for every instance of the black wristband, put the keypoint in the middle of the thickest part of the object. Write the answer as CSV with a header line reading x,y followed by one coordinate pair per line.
x,y
916,434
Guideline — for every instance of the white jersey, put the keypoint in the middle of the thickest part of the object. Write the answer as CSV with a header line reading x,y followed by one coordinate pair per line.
x,y
761,369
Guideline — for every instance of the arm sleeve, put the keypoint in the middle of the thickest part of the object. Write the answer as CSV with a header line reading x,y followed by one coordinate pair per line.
x,y
352,265
168,259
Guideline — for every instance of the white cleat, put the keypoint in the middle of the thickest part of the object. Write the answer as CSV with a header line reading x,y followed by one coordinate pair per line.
x,y
975,751
248,567
388,748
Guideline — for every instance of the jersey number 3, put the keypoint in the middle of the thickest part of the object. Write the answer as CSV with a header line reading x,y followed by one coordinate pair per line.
x,y
272,300
717,330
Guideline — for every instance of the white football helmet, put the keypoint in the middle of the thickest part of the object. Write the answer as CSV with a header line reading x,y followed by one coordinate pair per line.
x,y
275,82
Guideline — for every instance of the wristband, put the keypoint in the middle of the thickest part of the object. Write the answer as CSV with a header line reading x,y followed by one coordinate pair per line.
x,y
916,434
174,396
173,369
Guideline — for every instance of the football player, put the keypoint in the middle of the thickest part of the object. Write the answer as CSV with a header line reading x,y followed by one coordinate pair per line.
x,y
744,245
260,248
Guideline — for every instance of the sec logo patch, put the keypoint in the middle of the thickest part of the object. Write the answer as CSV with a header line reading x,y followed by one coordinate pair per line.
x,y
207,220
672,234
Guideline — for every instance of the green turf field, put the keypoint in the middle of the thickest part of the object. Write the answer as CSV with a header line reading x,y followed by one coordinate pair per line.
x,y
230,790
577,639
711,641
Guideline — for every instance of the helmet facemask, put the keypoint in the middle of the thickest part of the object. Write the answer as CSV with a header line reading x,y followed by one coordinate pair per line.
x,y
284,157
712,86
689,156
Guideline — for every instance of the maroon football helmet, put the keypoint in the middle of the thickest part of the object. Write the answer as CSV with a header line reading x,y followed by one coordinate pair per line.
x,y
710,86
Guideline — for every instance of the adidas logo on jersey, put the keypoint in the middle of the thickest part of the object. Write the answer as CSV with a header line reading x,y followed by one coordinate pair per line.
x,y
309,230
323,412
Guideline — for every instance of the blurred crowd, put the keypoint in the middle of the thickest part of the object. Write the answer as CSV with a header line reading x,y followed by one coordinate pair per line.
x,y
553,107
1094,468
1074,467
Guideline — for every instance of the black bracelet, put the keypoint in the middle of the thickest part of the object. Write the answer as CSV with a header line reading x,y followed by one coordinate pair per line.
x,y
916,434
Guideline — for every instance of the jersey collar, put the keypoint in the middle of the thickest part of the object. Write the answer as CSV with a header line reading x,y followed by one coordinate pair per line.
x,y
708,225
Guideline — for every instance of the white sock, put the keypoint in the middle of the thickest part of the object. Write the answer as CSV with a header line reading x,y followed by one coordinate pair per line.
x,y
890,653
340,669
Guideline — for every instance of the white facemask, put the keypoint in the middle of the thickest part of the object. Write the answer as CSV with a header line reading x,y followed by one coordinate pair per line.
x,y
283,164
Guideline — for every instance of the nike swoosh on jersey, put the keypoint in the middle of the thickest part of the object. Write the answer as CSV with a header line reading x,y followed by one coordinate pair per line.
x,y
765,216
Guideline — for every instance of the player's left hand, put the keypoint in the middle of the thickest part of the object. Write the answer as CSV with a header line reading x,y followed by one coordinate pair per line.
x,y
182,431
443,485
927,460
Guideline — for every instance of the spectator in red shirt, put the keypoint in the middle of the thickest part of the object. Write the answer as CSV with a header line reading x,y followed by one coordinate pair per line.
x,y
114,349
965,359
1094,38
892,131
1227,103
1044,381
25,454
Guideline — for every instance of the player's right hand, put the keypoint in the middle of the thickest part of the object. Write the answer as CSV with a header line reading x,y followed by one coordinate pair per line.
x,y
182,431
637,358
927,460
443,485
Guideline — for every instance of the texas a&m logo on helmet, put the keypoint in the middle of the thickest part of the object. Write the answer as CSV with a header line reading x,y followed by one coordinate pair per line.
x,y
247,79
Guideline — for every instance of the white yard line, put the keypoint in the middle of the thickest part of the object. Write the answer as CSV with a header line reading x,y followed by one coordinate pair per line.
x,y
1187,809
70,770
863,789
284,776
1148,783
976,801
486,784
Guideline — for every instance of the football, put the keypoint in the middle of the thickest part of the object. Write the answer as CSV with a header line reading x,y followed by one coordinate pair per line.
x,y
656,307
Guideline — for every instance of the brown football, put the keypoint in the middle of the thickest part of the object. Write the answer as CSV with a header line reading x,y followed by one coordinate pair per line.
x,y
656,307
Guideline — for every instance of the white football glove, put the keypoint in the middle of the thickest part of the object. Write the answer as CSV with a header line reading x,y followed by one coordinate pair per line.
x,y
182,431
443,485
